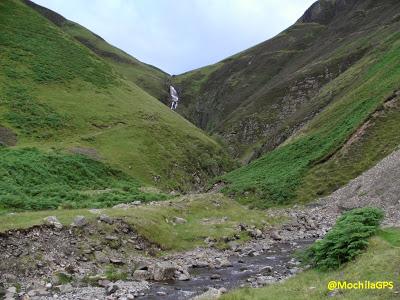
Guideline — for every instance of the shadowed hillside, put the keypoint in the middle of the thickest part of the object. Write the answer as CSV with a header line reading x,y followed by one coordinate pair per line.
x,y
257,98
311,108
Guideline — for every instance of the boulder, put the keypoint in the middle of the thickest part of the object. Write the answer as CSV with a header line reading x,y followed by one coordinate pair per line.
x,y
65,288
234,245
163,271
106,219
275,236
183,276
104,283
255,233
111,288
222,262
52,221
79,221
141,275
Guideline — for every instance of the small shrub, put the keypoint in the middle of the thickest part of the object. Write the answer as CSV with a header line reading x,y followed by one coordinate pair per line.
x,y
347,239
64,278
114,274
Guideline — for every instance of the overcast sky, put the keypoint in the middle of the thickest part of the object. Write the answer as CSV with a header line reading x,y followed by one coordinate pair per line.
x,y
181,35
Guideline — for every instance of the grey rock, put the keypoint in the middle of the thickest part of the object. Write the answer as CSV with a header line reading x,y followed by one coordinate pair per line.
x,y
52,221
142,275
142,266
101,257
264,280
163,271
183,275
275,236
178,220
103,282
11,290
255,233
266,270
116,261
111,288
65,288
211,294
233,245
106,219
222,262
79,221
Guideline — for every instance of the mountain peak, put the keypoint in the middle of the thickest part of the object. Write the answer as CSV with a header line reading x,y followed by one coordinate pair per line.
x,y
323,11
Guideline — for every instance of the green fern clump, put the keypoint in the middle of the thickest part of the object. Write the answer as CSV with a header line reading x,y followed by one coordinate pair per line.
x,y
34,180
346,240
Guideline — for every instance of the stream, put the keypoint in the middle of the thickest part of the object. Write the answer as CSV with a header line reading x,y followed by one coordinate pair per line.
x,y
276,262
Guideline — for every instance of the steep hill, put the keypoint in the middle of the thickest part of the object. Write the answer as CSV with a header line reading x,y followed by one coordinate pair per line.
x,y
57,95
352,134
317,104
149,78
257,98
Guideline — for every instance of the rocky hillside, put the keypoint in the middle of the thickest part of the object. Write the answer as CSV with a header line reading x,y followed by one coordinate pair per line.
x,y
310,109
64,99
256,99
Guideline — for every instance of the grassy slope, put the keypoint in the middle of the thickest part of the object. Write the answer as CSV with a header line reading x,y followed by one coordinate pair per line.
x,y
147,77
33,180
379,138
277,176
379,263
150,221
56,94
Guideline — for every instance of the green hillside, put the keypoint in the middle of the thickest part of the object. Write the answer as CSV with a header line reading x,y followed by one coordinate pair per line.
x,y
58,96
281,176
149,78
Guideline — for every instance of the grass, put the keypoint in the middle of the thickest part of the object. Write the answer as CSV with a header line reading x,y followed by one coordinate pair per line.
x,y
32,47
147,77
33,180
275,177
204,214
57,94
379,263
379,139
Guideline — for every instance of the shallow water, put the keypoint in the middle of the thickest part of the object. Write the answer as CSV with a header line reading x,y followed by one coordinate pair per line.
x,y
278,257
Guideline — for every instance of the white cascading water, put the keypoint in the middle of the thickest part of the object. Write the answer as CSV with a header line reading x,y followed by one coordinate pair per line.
x,y
174,96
